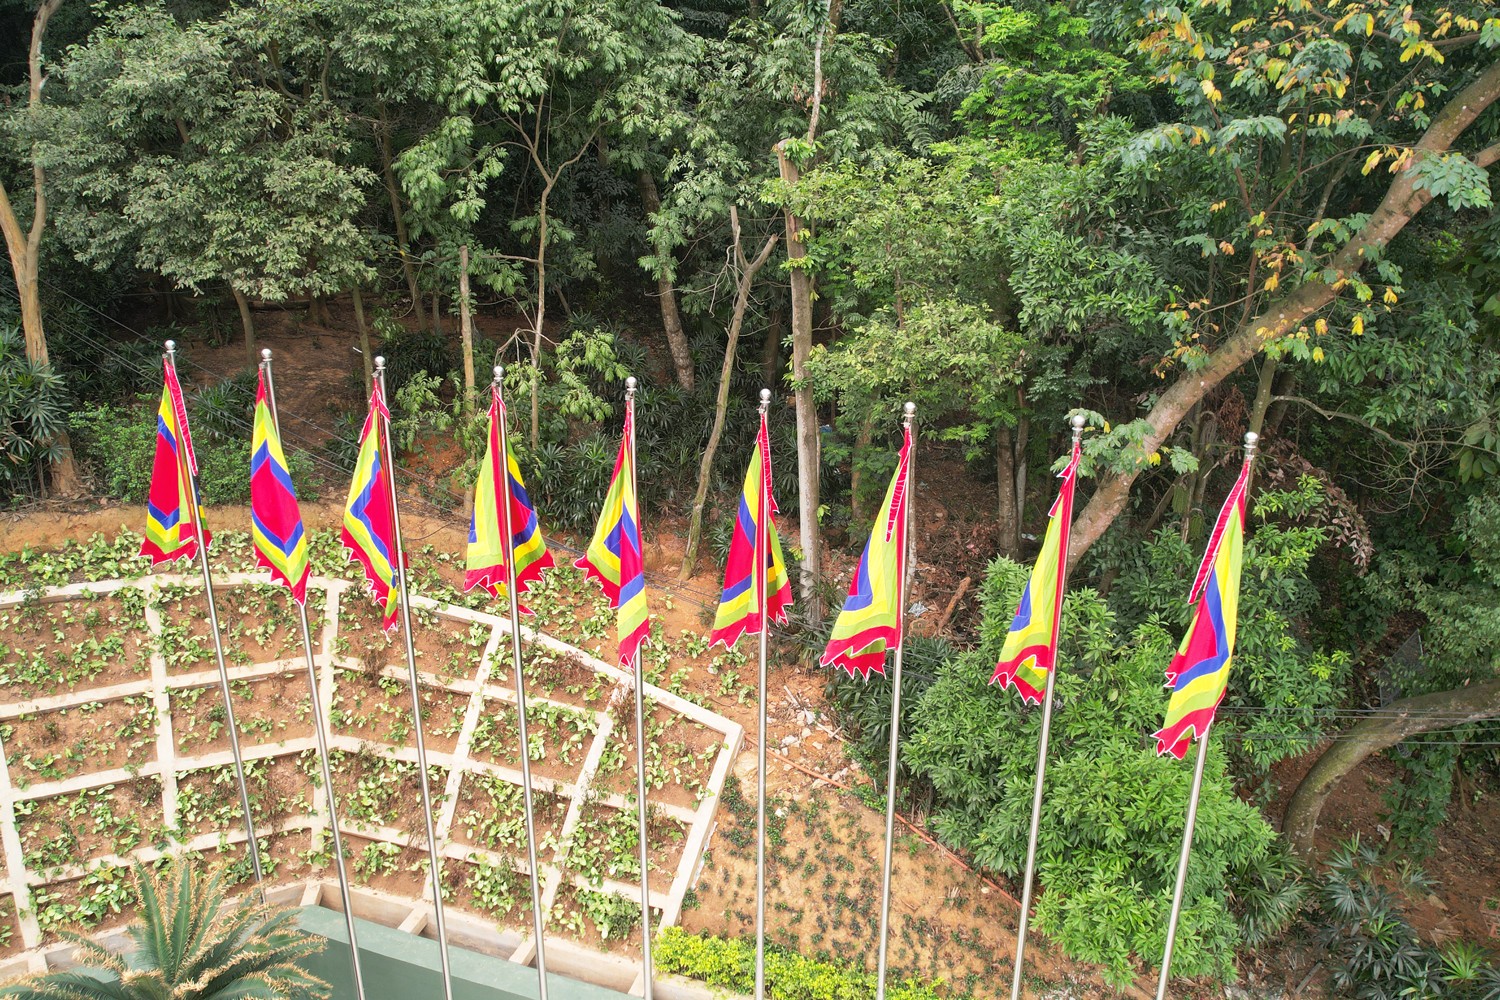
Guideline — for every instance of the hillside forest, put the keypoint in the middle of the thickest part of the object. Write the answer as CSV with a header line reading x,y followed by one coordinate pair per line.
x,y
1185,221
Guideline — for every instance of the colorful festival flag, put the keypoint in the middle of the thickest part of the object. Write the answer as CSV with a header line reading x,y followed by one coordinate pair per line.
x,y
1031,646
172,513
748,589
369,530
614,554
1199,673
275,520
870,623
486,552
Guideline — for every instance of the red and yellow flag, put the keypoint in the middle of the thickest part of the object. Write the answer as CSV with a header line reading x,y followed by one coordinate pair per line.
x,y
369,531
485,558
751,590
614,553
1199,673
275,519
1031,646
870,623
173,516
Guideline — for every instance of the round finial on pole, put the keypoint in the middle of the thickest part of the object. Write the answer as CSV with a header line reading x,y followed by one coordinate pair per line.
x,y
379,363
265,354
499,372
1252,440
765,399
1078,421
909,409
171,346
630,384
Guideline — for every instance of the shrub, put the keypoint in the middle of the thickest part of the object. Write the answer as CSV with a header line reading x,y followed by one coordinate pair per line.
x,y
118,445
1112,819
32,411
1374,951
730,965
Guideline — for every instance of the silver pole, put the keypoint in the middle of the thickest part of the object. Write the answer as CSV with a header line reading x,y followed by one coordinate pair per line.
x,y
433,856
1041,758
213,621
503,460
1251,440
759,555
890,772
317,721
1182,865
640,735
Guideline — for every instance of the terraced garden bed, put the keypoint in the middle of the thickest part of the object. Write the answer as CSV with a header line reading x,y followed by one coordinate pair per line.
x,y
115,746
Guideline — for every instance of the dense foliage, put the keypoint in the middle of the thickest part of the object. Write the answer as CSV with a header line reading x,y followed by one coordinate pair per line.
x,y
1111,819
730,965
1185,222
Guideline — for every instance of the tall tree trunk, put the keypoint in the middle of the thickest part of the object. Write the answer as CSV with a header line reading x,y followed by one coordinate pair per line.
x,y
666,295
1005,487
393,191
317,311
25,248
551,178
1286,382
770,351
861,446
364,340
807,413
1023,442
747,269
1384,728
466,328
1283,314
247,323
1262,401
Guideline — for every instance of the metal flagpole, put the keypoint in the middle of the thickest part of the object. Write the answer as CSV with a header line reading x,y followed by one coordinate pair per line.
x,y
434,857
1182,864
759,555
520,675
640,732
213,621
317,721
890,773
1251,439
1041,759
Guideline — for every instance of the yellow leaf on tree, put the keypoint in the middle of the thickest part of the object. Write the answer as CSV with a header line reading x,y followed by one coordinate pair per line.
x,y
1317,354
1390,296
1321,325
1271,282
1371,162
1359,325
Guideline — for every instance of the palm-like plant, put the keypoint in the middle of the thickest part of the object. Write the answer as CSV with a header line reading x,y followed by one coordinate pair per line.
x,y
189,947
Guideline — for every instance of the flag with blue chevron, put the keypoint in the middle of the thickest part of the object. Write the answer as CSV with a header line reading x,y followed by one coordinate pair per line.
x,y
369,531
486,552
1030,651
172,515
1199,673
275,519
870,623
614,554
755,577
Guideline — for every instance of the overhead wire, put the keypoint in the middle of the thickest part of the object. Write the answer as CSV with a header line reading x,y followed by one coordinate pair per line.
x,y
808,642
